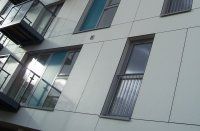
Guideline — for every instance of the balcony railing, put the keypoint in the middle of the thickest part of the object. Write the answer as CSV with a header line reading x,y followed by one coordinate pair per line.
x,y
4,76
3,40
23,93
125,97
27,22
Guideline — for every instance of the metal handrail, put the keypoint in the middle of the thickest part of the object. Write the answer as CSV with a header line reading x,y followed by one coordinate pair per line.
x,y
1,69
34,74
5,79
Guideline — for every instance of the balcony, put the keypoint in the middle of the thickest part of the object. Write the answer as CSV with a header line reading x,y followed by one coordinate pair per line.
x,y
27,23
12,96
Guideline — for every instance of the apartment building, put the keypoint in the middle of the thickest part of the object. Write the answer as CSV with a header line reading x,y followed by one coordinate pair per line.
x,y
99,65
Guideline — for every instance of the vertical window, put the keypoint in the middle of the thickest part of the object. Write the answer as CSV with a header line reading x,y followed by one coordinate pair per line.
x,y
61,79
127,81
98,14
176,6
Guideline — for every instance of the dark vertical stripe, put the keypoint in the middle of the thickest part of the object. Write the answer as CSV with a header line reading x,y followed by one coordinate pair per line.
x,y
173,6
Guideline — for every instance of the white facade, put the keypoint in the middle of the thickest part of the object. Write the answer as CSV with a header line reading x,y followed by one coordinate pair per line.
x,y
169,98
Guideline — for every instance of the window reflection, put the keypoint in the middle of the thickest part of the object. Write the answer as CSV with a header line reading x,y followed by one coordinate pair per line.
x,y
69,62
138,60
36,67
60,83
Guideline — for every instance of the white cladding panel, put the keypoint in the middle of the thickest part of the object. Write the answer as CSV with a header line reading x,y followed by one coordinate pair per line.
x,y
186,107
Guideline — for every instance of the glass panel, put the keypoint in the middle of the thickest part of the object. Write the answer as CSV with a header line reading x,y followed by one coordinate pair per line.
x,y
10,67
39,17
138,59
37,64
42,21
54,94
11,15
107,17
69,63
39,94
5,11
17,13
2,61
50,73
3,77
26,79
22,12
93,15
26,87
51,99
60,83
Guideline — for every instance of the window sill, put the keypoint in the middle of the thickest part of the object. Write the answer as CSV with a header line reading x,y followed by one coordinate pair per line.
x,y
38,108
83,31
116,118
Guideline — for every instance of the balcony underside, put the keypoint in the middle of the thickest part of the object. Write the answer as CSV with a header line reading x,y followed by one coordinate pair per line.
x,y
22,34
8,104
17,1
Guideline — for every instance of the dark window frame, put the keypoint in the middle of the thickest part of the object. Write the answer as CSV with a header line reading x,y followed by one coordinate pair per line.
x,y
121,70
85,13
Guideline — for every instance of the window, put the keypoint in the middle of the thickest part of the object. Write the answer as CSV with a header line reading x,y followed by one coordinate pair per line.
x,y
127,80
98,14
41,82
4,12
45,18
176,6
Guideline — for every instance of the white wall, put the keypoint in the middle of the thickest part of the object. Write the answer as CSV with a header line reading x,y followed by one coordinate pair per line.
x,y
169,96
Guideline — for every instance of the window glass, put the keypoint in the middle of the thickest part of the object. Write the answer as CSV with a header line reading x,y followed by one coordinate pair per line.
x,y
93,15
138,59
69,62
26,80
6,9
39,84
99,15
107,17
51,71
60,82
